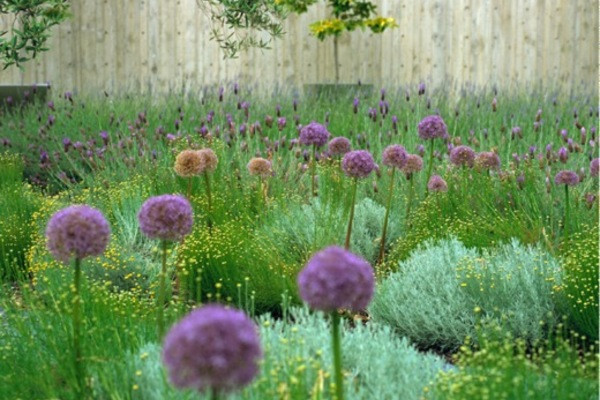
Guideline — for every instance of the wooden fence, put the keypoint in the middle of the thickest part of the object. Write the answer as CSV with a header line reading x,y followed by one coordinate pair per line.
x,y
162,45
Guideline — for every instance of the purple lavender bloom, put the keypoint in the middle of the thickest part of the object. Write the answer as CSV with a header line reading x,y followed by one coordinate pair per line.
x,y
564,134
166,217
590,199
516,131
338,146
9,100
314,134
66,144
421,150
104,136
395,123
69,96
563,155
77,145
462,156
221,91
170,137
583,136
77,231
566,177
358,164
431,127
213,347
521,181
295,104
281,123
236,88
336,278
594,165
532,150
355,104
394,156
421,89
437,184
382,94
487,160
6,142
50,105
372,114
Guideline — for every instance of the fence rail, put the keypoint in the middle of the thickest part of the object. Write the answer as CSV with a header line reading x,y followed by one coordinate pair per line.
x,y
162,45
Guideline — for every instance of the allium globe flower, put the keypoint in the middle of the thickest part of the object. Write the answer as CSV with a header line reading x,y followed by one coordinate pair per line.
x,y
166,217
462,156
209,160
437,184
338,146
314,134
487,160
260,167
213,347
594,165
431,127
77,231
358,164
336,278
414,163
188,163
394,156
566,177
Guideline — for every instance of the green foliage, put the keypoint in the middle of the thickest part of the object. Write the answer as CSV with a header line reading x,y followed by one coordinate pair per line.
x,y
297,363
504,367
30,29
580,262
438,294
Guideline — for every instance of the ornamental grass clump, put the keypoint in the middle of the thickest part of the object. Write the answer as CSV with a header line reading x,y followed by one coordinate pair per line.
x,y
394,156
333,279
315,135
356,164
566,178
74,233
214,349
430,128
168,218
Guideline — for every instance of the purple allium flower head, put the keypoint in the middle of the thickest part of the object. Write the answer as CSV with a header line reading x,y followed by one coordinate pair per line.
x,y
437,184
336,278
462,156
487,160
566,177
314,134
338,146
358,164
431,127
563,154
259,166
414,163
77,231
394,156
166,217
213,347
594,165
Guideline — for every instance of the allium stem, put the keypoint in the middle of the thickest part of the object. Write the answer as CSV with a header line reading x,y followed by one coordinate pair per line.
x,y
385,220
188,192
566,212
410,199
430,166
349,232
313,163
209,199
214,394
160,302
77,327
337,355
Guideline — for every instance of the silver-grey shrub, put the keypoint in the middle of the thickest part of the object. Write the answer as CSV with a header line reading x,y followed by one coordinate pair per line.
x,y
443,290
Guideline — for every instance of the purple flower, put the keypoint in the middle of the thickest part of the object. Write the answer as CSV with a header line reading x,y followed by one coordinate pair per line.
x,y
431,127
437,184
594,167
212,347
104,136
394,156
66,144
566,177
462,156
166,217
516,131
487,160
78,231
355,104
336,278
420,150
414,163
421,89
358,164
170,137
563,155
314,134
338,146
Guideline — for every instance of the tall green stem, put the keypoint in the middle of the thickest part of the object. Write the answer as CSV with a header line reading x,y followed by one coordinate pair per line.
x,y
349,232
79,373
410,199
209,199
385,220
430,166
566,212
337,355
214,394
312,170
160,302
